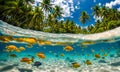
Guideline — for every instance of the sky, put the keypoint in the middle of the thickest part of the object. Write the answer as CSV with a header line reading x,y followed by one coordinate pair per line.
x,y
72,8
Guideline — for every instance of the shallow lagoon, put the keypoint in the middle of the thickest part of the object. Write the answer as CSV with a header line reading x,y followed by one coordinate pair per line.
x,y
57,58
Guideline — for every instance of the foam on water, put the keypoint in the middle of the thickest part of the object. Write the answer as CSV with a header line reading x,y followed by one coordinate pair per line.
x,y
7,29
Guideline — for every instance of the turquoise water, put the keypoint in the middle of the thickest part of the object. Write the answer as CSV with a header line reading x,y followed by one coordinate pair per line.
x,y
108,49
54,51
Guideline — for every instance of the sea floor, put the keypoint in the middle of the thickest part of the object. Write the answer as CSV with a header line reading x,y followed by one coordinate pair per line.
x,y
56,64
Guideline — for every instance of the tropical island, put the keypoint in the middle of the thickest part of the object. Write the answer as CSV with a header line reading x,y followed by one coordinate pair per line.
x,y
46,17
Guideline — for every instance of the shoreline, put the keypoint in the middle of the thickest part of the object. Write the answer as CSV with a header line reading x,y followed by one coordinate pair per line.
x,y
17,31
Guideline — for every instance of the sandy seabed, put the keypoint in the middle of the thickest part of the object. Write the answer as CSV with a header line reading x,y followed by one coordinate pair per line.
x,y
60,65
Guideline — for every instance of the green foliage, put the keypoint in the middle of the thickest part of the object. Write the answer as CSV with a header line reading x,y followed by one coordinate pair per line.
x,y
84,17
46,17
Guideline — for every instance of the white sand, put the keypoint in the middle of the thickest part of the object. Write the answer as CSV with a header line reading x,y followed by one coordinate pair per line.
x,y
61,66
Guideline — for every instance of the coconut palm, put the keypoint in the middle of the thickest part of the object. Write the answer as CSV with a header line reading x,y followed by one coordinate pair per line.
x,y
57,11
84,17
115,14
36,17
96,10
46,7
11,9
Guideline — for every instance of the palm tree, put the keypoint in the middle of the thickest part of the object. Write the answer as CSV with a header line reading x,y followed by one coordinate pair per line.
x,y
96,10
46,7
105,13
57,11
36,17
84,17
11,9
115,14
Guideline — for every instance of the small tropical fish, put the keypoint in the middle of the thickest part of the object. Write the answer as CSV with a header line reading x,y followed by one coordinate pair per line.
x,y
41,55
17,50
97,55
88,62
48,42
68,48
75,65
11,47
105,54
88,42
37,63
62,55
27,60
29,40
21,48
6,38
41,43
13,55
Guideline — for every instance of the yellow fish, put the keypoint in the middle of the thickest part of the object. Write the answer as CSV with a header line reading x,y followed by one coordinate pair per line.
x,y
75,65
88,62
62,55
41,55
68,48
27,60
21,48
97,55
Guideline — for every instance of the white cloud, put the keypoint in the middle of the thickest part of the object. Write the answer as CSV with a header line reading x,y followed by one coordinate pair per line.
x,y
67,5
99,4
118,9
61,19
97,18
112,3
77,5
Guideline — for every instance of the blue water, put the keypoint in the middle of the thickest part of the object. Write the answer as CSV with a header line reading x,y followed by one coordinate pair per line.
x,y
54,51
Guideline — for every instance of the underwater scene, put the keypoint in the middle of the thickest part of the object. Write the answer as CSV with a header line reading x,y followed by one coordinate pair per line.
x,y
59,35
33,51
